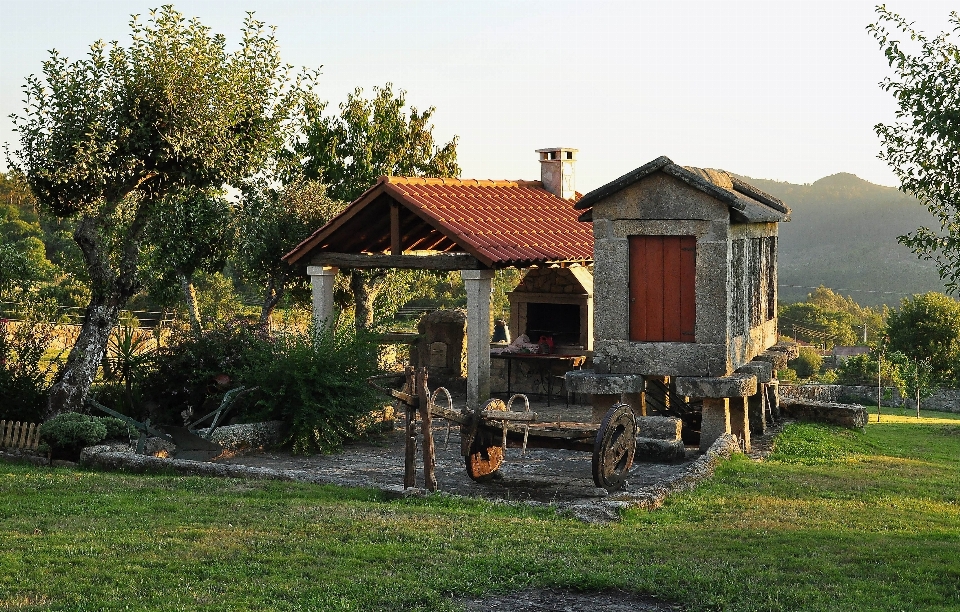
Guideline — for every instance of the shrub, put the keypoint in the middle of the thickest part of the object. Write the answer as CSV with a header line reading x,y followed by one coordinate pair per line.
x,y
68,432
807,364
25,373
117,429
183,373
316,383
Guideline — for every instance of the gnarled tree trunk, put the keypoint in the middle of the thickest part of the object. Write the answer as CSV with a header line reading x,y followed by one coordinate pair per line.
x,y
110,290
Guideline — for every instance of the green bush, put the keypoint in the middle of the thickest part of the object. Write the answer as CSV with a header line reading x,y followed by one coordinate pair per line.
x,y
317,384
68,432
117,429
25,374
183,374
807,364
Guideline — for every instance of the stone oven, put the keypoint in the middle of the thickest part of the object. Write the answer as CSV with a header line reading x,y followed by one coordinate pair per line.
x,y
555,302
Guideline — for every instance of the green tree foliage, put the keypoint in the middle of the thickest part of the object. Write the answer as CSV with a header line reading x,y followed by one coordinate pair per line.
x,y
921,145
927,328
895,370
192,231
830,319
349,151
373,138
105,138
272,219
23,260
807,364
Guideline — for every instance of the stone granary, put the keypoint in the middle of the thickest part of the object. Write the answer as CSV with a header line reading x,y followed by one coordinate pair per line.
x,y
685,293
475,226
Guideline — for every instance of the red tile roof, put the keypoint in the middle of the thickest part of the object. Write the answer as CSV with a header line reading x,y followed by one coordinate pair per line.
x,y
501,223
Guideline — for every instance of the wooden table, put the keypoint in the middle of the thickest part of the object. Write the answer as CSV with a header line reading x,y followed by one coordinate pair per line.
x,y
543,364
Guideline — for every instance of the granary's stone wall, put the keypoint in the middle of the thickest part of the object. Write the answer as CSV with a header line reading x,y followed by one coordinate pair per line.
x,y
752,287
661,205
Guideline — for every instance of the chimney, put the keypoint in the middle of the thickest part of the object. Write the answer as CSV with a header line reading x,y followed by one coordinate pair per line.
x,y
556,171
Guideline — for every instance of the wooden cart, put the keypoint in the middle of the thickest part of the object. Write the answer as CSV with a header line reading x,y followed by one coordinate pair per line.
x,y
488,431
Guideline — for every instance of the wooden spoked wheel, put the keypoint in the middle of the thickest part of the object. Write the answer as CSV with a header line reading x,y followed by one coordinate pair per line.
x,y
486,452
614,448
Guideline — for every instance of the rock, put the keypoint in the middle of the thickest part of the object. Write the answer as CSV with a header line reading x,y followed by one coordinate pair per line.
x,y
653,449
659,427
851,416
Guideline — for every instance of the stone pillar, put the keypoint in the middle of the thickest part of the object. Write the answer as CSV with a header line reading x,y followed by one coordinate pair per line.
x,y
600,404
322,279
716,421
740,421
637,401
478,286
757,406
773,399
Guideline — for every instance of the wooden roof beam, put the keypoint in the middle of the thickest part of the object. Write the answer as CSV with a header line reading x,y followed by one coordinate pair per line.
x,y
348,261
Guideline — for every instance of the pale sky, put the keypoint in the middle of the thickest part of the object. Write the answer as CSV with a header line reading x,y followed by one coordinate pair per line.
x,y
769,89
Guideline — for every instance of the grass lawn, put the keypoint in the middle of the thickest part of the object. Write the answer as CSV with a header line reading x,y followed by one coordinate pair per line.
x,y
834,520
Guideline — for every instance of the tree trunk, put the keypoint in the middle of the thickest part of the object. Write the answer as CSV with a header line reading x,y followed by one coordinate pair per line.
x,y
110,289
366,286
190,297
73,382
272,296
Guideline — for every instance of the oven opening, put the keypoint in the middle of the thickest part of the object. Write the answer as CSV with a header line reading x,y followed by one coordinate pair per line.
x,y
562,321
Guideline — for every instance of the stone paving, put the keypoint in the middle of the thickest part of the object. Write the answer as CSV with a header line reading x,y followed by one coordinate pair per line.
x,y
558,478
541,476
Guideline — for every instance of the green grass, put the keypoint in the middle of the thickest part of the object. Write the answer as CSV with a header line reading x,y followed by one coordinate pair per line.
x,y
834,520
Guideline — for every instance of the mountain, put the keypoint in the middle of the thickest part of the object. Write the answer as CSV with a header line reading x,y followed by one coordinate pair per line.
x,y
843,234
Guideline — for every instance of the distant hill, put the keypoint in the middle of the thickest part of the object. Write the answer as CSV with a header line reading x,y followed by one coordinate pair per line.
x,y
843,234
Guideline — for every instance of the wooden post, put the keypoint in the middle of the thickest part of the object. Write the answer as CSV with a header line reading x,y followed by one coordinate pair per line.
x,y
426,425
410,458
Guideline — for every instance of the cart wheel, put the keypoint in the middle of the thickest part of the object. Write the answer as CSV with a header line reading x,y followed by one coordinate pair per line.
x,y
614,448
486,453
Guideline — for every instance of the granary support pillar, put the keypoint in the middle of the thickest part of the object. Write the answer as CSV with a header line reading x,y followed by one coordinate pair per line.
x,y
322,279
478,285
724,405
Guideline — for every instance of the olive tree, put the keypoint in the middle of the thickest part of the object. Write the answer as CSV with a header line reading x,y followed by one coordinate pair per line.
x,y
923,145
105,138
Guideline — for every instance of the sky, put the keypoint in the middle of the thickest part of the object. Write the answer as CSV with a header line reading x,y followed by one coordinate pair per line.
x,y
769,89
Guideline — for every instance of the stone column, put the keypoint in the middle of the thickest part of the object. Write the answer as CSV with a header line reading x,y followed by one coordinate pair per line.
x,y
322,279
478,286
716,421
757,405
637,401
600,404
740,421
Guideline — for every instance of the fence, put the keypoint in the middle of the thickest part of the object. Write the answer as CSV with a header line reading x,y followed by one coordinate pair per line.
x,y
19,435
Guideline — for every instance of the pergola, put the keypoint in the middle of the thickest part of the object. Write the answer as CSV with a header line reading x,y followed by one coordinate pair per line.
x,y
474,226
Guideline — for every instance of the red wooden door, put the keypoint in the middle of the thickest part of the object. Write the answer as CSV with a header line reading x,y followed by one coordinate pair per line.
x,y
662,288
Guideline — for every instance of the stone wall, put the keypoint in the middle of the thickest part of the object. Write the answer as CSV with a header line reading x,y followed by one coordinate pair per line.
x,y
846,394
944,400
